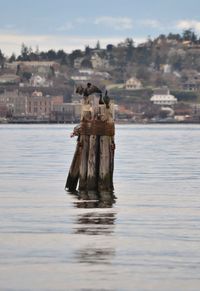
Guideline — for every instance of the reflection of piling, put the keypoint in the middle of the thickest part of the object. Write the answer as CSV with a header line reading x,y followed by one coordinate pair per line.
x,y
93,161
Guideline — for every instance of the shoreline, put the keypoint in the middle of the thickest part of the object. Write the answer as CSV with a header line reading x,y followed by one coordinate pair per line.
x,y
116,122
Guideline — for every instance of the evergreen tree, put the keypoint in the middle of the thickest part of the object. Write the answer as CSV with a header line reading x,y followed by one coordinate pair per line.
x,y
173,36
12,58
62,57
74,55
26,76
24,53
129,49
18,72
51,55
2,59
51,73
189,35
98,47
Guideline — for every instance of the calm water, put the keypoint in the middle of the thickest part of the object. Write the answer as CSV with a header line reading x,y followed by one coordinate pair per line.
x,y
148,240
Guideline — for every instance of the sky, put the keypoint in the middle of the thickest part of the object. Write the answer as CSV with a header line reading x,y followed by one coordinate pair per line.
x,y
74,24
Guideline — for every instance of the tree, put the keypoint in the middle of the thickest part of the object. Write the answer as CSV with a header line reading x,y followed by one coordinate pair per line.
x,y
62,57
189,35
37,51
86,64
51,55
142,73
51,73
26,76
74,55
143,56
2,60
129,43
194,38
157,61
161,37
12,58
87,50
18,72
176,61
98,47
109,47
33,56
61,54
25,51
173,36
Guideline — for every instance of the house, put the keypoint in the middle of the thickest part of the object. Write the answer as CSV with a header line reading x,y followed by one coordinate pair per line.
x,y
162,96
133,84
98,62
14,102
86,75
80,78
166,69
66,112
34,65
9,79
3,111
38,81
78,62
39,106
192,85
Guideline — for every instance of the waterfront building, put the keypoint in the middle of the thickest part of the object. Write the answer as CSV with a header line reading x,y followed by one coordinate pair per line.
x,y
13,102
39,106
66,112
162,96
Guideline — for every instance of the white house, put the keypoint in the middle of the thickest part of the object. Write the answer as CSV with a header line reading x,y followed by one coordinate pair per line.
x,y
133,84
164,98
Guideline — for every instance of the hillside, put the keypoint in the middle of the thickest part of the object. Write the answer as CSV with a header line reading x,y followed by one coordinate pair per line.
x,y
169,60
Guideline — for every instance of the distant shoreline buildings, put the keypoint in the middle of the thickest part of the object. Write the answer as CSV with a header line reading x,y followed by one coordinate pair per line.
x,y
156,81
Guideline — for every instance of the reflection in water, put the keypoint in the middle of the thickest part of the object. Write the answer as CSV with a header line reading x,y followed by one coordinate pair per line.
x,y
95,255
95,223
93,200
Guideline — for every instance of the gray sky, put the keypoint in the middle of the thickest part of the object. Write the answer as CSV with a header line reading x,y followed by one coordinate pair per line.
x,y
68,25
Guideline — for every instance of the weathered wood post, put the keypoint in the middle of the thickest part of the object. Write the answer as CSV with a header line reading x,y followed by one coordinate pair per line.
x,y
93,161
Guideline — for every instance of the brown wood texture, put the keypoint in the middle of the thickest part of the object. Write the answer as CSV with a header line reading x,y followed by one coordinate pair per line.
x,y
92,174
93,162
105,172
73,175
84,162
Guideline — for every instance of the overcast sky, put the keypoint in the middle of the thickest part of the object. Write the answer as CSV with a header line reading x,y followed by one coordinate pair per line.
x,y
64,24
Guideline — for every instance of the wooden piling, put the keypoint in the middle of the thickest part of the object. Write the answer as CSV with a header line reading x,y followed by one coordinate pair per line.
x,y
84,163
73,176
93,161
104,181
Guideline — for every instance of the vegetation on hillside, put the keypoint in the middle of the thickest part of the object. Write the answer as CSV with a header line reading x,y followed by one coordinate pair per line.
x,y
168,60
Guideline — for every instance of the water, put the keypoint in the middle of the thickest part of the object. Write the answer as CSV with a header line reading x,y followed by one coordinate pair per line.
x,y
148,240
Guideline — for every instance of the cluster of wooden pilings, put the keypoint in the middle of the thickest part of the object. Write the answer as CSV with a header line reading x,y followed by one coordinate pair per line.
x,y
93,162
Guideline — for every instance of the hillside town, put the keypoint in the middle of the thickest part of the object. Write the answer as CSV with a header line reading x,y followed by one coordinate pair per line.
x,y
156,81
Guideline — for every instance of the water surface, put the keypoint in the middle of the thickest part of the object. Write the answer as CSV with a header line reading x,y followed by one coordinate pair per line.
x,y
148,240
